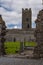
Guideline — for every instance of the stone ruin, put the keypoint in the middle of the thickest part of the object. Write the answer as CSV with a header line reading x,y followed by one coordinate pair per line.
x,y
2,34
38,51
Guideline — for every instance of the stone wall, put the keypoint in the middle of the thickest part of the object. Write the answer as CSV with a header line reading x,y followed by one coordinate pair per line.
x,y
2,34
38,51
20,35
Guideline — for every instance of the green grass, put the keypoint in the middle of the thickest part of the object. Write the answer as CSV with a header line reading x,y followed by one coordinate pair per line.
x,y
12,47
30,44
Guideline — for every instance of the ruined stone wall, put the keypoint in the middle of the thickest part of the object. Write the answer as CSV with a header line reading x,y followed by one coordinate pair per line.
x,y
38,51
2,34
20,35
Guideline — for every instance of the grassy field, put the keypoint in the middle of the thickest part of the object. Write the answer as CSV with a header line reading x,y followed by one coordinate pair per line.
x,y
12,47
30,44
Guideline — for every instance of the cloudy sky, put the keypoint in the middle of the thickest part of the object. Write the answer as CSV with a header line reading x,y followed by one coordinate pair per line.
x,y
11,11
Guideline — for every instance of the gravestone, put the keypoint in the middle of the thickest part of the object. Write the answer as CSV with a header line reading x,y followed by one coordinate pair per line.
x,y
21,47
38,51
2,34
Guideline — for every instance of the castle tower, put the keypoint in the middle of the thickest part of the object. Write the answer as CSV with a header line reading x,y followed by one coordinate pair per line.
x,y
26,18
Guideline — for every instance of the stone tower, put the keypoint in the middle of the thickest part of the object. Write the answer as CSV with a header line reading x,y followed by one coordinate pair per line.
x,y
26,18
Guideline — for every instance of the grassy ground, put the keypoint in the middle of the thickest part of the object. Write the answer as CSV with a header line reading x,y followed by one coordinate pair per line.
x,y
12,47
30,44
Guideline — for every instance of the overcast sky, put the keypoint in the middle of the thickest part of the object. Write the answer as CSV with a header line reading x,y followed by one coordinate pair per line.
x,y
11,11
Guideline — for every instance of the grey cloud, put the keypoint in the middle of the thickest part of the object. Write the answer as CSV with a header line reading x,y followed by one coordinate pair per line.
x,y
14,16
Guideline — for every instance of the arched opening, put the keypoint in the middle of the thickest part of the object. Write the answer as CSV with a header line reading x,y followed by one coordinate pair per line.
x,y
27,19
28,26
14,39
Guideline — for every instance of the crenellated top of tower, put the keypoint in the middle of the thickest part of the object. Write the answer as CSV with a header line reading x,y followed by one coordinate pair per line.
x,y
26,10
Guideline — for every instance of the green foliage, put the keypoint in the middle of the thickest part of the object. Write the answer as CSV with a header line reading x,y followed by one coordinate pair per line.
x,y
12,47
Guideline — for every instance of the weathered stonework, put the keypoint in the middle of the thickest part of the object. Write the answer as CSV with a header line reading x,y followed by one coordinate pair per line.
x,y
2,34
38,51
13,35
20,35
26,19
26,32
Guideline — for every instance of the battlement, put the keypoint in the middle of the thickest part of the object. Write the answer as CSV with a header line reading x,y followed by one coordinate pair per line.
x,y
26,9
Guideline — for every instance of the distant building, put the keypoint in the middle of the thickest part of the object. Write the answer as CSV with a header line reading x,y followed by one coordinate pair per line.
x,y
26,33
